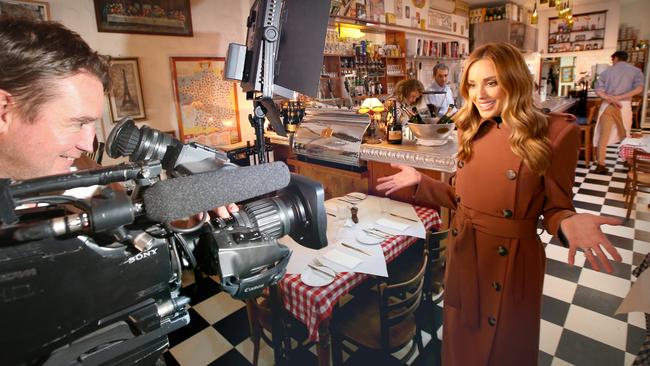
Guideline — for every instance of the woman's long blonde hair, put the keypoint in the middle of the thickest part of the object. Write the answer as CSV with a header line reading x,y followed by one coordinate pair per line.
x,y
529,137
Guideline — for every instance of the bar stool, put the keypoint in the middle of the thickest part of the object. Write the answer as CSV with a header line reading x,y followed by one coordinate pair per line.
x,y
586,133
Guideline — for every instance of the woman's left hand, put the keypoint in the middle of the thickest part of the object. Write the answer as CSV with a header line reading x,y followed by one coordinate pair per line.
x,y
583,232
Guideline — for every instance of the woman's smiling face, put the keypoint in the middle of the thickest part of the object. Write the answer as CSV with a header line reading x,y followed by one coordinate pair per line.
x,y
484,89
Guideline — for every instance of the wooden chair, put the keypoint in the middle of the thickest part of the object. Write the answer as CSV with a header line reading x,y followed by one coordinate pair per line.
x,y
260,318
382,321
403,267
638,178
587,126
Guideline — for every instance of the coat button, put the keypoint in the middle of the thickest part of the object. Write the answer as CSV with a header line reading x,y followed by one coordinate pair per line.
x,y
460,164
492,321
511,174
454,231
496,285
503,251
507,213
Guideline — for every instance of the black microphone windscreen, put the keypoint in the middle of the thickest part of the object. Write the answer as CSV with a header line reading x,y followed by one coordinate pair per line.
x,y
176,198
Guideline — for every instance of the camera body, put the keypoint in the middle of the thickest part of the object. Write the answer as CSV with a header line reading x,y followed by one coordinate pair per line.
x,y
71,301
101,286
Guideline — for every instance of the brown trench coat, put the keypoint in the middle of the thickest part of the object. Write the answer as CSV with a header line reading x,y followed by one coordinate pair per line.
x,y
495,260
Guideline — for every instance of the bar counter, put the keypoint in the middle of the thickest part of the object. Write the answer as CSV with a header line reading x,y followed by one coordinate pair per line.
x,y
437,158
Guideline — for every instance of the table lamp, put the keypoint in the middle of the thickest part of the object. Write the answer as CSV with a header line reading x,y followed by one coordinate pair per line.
x,y
373,107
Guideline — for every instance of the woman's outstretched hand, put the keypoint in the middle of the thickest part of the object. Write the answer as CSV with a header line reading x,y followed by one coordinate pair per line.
x,y
406,177
583,232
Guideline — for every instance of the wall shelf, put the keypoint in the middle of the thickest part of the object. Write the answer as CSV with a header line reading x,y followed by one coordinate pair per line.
x,y
565,38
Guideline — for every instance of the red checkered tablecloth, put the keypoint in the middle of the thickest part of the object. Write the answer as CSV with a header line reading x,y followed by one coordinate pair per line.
x,y
312,305
625,150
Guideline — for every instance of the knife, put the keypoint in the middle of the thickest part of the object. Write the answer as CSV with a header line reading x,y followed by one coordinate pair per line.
x,y
357,249
321,271
402,217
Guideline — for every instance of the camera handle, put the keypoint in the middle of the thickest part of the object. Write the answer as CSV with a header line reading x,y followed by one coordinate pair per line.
x,y
257,122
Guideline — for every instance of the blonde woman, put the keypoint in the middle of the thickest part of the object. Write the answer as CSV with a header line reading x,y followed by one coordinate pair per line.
x,y
515,164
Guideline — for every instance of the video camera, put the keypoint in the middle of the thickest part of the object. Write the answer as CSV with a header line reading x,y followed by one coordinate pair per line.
x,y
98,282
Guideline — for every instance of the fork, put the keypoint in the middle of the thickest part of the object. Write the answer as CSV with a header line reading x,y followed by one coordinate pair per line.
x,y
317,262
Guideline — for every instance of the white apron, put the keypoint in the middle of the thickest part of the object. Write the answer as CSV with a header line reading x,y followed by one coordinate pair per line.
x,y
626,116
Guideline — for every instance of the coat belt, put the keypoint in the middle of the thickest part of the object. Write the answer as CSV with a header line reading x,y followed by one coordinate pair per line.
x,y
462,288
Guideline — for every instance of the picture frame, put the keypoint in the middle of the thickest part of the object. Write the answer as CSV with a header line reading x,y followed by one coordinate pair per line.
x,y
161,17
125,96
580,37
37,10
206,103
566,74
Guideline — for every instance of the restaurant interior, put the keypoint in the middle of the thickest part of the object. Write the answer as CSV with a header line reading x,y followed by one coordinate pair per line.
x,y
329,117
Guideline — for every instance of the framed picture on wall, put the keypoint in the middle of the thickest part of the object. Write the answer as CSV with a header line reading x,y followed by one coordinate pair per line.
x,y
38,10
206,103
165,17
125,95
566,74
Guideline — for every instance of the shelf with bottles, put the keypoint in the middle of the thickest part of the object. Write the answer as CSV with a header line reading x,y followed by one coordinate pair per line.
x,y
577,31
509,11
586,33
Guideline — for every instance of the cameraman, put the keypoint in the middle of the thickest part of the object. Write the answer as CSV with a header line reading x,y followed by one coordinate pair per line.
x,y
51,94
52,88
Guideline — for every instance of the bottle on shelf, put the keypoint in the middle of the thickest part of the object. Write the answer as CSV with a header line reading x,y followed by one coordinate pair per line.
x,y
447,117
394,128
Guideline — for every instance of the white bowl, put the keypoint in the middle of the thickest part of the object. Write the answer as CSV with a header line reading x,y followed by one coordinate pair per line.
x,y
431,131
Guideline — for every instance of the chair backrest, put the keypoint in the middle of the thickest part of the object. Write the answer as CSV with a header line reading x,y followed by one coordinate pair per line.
x,y
593,113
433,280
640,163
400,300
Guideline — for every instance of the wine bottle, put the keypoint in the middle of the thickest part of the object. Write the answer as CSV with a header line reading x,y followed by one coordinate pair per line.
x,y
415,117
447,117
394,128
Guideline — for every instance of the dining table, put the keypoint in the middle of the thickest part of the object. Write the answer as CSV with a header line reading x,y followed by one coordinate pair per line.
x,y
313,306
628,145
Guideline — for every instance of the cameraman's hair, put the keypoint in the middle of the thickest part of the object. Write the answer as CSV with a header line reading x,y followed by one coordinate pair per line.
x,y
439,66
620,55
35,54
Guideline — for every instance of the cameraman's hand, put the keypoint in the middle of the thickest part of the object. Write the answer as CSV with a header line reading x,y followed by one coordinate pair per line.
x,y
224,211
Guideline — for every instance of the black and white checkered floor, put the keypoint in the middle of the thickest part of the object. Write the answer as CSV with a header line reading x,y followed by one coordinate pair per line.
x,y
578,324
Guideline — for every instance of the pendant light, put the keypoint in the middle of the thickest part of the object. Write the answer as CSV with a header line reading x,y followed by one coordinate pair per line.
x,y
533,17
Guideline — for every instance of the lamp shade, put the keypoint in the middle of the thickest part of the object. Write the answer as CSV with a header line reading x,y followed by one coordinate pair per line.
x,y
371,104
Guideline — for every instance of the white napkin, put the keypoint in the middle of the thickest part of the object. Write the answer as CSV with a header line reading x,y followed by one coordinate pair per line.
x,y
392,224
637,299
342,259
330,208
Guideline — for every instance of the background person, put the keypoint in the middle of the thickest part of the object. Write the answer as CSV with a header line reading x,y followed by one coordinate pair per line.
x,y
495,260
440,102
409,95
616,86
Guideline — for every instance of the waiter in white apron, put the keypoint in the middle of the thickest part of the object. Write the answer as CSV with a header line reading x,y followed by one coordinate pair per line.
x,y
616,86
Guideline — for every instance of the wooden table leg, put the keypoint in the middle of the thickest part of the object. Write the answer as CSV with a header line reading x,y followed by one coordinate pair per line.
x,y
323,346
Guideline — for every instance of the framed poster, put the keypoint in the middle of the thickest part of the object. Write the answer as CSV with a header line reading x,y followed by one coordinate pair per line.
x,y
206,104
126,91
38,10
165,17
439,20
566,74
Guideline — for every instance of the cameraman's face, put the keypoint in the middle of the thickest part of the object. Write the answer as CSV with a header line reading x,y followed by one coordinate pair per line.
x,y
62,130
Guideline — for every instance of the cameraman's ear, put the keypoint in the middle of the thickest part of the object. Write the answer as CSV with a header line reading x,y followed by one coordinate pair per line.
x,y
5,109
